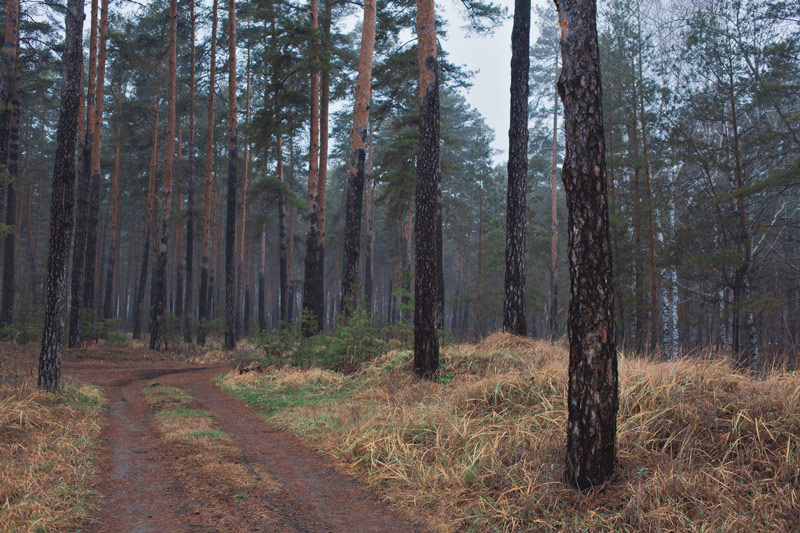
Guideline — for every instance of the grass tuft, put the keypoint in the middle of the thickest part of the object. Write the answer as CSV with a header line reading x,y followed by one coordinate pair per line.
x,y
47,453
700,446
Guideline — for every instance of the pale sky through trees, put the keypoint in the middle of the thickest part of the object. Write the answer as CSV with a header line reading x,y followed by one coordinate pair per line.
x,y
490,57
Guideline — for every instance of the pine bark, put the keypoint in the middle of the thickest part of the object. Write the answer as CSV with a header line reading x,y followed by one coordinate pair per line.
x,y
205,294
62,200
92,241
84,180
313,289
592,391
11,158
514,301
426,285
230,214
356,163
158,339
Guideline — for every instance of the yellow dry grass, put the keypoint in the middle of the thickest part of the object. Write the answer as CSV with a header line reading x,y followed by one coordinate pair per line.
x,y
700,446
47,446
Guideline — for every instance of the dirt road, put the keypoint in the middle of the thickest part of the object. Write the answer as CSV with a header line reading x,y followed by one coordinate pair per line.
x,y
142,488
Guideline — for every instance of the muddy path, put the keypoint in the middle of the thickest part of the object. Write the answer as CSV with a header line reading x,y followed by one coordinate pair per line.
x,y
142,490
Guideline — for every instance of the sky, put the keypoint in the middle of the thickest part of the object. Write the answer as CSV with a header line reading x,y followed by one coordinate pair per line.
x,y
490,56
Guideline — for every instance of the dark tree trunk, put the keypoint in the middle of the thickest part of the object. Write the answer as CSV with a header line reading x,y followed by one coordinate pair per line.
x,y
158,338
514,301
142,285
553,318
247,307
189,297
108,301
9,71
92,241
356,163
12,169
84,180
313,290
63,197
230,214
204,307
145,264
592,393
426,286
283,244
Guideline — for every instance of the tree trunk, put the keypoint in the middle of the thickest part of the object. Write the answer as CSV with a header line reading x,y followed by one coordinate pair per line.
x,y
369,269
108,302
11,159
282,241
92,241
84,179
189,261
10,55
554,221
243,279
592,393
514,301
205,294
290,252
262,304
313,291
158,339
63,197
322,183
230,214
426,284
356,162
151,186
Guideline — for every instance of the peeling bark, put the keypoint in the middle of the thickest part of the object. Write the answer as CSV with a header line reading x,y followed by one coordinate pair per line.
x,y
426,283
356,163
592,392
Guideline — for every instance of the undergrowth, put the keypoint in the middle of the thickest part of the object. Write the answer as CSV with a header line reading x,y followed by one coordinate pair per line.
x,y
48,444
700,446
352,342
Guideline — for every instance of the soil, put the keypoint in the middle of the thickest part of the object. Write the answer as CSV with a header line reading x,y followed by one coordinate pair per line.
x,y
144,486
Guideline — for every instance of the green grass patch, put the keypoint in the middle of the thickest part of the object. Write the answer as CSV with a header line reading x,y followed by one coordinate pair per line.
x,y
305,405
208,434
157,393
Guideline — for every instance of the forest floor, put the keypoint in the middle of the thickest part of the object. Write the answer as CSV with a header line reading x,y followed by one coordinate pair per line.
x,y
178,454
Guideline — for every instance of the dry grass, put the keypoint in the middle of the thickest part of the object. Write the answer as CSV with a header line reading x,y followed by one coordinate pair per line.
x,y
197,439
700,447
47,446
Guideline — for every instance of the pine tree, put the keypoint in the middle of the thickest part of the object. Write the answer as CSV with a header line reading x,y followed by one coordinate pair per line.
x,y
426,283
514,301
356,162
592,393
158,338
230,215
63,197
